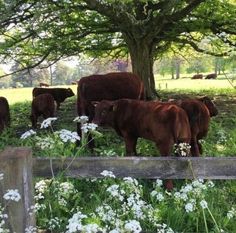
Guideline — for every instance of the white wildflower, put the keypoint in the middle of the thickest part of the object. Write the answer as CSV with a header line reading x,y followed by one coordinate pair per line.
x,y
41,186
67,135
108,174
27,134
88,127
231,213
130,180
45,143
91,228
132,226
1,176
12,194
203,204
81,119
159,183
189,207
75,223
66,188
31,229
47,122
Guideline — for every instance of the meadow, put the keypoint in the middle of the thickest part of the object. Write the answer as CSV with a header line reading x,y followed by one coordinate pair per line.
x,y
128,205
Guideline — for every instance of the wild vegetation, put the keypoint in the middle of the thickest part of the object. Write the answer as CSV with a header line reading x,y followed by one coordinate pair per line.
x,y
129,205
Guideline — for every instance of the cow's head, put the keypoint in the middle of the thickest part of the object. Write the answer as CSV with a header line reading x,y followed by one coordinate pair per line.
x,y
69,92
210,105
104,113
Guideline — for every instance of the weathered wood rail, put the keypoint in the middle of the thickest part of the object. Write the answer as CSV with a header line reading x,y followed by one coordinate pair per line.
x,y
19,167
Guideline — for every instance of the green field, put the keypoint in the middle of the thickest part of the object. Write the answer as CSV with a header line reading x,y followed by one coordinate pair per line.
x,y
15,95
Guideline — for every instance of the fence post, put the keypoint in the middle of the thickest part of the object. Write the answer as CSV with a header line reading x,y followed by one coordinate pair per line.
x,y
16,165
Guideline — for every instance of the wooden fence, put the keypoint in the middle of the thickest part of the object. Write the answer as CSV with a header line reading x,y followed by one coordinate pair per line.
x,y
19,167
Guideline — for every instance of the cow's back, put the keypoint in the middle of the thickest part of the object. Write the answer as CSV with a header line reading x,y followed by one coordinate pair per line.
x,y
111,86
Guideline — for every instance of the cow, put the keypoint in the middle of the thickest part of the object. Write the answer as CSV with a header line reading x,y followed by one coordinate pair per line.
x,y
197,76
73,82
164,123
4,114
44,105
59,94
111,86
199,111
211,76
43,85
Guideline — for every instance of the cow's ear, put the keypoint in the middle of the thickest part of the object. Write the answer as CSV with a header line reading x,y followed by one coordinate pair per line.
x,y
95,103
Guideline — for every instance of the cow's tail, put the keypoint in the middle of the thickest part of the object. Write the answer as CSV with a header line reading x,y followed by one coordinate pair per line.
x,y
142,92
182,127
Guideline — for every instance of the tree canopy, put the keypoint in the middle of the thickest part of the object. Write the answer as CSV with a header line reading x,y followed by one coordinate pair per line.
x,y
32,32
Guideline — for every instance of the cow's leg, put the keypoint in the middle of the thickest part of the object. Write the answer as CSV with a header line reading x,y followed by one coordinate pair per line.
x,y
34,118
130,144
194,147
165,148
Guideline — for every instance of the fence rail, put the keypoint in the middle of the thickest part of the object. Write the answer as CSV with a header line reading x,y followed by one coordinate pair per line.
x,y
19,167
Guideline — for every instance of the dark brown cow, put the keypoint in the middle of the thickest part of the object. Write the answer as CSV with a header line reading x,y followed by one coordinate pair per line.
x,y
59,94
199,112
43,85
211,76
163,123
111,86
42,105
197,76
4,114
74,82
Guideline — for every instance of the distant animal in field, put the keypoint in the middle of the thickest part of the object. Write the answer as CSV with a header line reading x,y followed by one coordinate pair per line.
x,y
59,94
43,85
4,114
211,76
74,82
42,105
111,86
199,112
197,76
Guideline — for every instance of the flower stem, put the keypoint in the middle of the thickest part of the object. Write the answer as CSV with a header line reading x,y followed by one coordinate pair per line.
x,y
204,217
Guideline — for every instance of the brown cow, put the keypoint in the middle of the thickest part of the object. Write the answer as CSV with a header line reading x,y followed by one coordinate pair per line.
x,y
42,105
43,85
74,82
4,114
199,112
211,76
111,86
197,76
163,123
59,94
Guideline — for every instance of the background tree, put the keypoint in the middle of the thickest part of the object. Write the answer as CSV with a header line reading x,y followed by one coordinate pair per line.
x,y
34,31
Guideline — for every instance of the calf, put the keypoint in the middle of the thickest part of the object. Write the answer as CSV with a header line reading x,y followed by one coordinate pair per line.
x,y
4,114
211,76
163,123
199,112
197,76
59,94
42,105
111,86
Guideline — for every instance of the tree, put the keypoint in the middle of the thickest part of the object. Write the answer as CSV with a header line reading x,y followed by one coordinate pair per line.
x,y
34,31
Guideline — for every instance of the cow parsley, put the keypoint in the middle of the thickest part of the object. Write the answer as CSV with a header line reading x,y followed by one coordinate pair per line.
x,y
12,194
27,134
47,122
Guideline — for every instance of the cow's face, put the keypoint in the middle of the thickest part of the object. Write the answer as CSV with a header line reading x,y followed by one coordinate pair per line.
x,y
104,113
210,105
69,92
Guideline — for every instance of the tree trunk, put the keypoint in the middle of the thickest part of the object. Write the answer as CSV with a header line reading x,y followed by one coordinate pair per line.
x,y
141,53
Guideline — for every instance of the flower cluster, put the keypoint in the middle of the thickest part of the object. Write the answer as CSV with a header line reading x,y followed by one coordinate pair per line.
x,y
68,136
88,127
47,122
28,134
12,194
182,149
231,213
81,119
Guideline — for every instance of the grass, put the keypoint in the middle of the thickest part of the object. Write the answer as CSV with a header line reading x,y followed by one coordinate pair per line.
x,y
58,206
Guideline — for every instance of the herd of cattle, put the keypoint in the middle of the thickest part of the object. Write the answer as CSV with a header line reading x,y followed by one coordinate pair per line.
x,y
208,76
117,100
